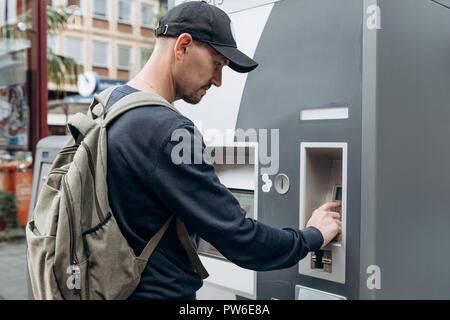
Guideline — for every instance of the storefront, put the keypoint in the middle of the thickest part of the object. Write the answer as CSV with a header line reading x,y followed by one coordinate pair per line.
x,y
23,101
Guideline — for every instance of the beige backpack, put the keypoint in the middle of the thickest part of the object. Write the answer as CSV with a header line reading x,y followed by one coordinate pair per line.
x,y
75,247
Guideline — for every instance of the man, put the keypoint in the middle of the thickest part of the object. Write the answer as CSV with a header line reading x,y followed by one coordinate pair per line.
x,y
194,43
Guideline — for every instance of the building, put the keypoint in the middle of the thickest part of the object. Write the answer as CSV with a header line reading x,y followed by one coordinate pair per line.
x,y
113,38
110,37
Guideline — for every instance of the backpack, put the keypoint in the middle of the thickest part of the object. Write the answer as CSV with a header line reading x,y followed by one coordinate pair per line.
x,y
75,249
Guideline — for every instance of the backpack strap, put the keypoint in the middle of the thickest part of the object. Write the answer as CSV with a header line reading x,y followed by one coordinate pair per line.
x,y
134,100
98,105
183,236
151,245
131,101
189,247
79,125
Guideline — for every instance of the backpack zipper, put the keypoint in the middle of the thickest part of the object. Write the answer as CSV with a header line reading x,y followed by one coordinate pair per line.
x,y
101,217
73,257
70,149
73,254
58,171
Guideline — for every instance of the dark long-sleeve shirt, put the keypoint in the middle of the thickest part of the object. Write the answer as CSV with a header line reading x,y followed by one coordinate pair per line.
x,y
145,187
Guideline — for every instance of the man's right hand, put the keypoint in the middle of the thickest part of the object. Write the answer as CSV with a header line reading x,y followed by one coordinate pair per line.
x,y
328,222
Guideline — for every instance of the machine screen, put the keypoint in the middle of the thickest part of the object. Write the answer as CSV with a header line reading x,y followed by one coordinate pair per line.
x,y
338,196
246,200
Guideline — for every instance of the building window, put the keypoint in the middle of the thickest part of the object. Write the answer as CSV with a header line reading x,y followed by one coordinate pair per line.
x,y
145,55
73,48
51,42
10,16
124,11
147,15
100,9
123,57
100,54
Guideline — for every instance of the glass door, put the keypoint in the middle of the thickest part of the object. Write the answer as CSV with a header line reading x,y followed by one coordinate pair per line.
x,y
14,47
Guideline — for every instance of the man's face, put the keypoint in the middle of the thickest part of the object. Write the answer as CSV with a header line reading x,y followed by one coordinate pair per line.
x,y
201,68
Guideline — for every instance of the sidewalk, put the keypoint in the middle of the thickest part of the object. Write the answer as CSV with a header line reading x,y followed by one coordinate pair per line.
x,y
13,270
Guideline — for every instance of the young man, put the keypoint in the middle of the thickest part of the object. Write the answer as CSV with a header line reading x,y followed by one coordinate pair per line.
x,y
194,43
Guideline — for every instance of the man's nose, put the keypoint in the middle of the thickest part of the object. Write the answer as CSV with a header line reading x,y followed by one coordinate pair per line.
x,y
217,78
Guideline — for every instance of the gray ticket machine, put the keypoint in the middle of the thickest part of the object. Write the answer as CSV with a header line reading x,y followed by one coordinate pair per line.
x,y
354,96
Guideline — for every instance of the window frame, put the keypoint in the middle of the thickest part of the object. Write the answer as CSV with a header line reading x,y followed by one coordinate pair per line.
x,y
81,50
98,17
147,25
52,42
130,21
107,63
121,67
141,56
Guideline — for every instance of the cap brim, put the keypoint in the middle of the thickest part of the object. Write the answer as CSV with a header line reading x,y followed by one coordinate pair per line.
x,y
239,62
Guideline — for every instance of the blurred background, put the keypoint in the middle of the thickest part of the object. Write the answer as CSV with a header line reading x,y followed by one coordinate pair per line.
x,y
54,55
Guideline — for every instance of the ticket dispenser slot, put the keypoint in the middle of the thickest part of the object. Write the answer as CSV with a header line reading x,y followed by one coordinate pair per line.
x,y
323,178
236,167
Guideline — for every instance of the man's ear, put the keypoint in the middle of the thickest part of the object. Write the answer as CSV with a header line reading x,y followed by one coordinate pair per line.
x,y
183,45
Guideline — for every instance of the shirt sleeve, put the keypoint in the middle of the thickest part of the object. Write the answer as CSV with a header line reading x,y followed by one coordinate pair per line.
x,y
192,191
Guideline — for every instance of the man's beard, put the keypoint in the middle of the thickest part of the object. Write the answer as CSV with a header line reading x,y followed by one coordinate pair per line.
x,y
193,98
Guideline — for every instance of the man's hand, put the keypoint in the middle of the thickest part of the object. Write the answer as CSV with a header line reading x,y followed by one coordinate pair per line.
x,y
328,222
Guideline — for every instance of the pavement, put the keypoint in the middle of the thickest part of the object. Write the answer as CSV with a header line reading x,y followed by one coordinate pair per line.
x,y
13,270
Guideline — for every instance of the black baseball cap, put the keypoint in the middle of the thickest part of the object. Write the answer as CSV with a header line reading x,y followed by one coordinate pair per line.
x,y
209,24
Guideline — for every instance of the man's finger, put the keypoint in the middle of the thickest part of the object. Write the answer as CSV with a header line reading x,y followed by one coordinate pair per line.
x,y
330,205
335,215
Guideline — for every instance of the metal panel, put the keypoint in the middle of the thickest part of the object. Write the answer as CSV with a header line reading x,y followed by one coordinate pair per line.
x,y
308,60
304,293
413,76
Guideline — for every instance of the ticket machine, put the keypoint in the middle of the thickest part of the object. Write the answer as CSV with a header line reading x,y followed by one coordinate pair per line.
x,y
355,94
